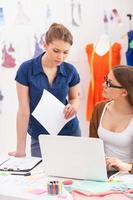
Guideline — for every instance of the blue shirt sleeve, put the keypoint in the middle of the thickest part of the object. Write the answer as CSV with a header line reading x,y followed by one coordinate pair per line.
x,y
22,74
75,79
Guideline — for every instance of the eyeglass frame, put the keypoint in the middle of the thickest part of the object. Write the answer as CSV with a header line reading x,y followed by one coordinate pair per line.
x,y
109,84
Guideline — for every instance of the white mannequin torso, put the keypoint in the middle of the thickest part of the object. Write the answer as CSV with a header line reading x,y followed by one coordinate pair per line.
x,y
103,45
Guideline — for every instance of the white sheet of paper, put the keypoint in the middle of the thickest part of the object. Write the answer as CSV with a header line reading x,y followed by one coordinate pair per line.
x,y
49,113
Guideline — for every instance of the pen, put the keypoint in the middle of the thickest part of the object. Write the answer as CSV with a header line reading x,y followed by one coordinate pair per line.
x,y
19,174
27,173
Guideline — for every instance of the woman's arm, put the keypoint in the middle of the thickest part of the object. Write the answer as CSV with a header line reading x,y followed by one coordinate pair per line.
x,y
74,99
22,120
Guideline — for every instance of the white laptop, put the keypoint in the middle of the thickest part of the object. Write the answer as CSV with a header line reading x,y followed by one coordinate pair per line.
x,y
73,157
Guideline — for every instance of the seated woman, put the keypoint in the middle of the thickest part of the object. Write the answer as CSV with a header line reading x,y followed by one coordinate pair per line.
x,y
112,120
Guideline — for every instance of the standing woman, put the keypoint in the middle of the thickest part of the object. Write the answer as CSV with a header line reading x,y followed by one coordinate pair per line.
x,y
47,71
112,120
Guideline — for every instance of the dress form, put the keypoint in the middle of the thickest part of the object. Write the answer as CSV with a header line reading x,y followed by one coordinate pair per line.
x,y
103,45
102,57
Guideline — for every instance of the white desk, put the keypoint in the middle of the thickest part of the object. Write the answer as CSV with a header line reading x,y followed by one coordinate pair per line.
x,y
16,187
21,188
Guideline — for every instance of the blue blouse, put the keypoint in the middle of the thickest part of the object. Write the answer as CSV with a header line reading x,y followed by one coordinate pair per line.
x,y
31,74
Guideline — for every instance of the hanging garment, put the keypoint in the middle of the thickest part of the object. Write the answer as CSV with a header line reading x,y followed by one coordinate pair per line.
x,y
99,67
38,46
8,60
1,96
129,52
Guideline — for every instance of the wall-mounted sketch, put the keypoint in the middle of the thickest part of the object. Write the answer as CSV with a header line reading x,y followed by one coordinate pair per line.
x,y
2,20
106,22
1,98
116,15
76,12
21,17
8,60
112,15
38,46
48,14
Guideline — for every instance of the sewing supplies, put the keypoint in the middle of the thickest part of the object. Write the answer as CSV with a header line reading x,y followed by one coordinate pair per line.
x,y
68,185
54,187
67,182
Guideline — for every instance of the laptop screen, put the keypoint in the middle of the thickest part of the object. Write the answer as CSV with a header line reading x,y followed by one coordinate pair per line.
x,y
73,157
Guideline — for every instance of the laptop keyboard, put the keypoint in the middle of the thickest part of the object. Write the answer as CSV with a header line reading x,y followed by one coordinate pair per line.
x,y
110,173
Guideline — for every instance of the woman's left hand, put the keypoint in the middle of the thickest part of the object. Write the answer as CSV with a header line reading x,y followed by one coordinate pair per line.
x,y
117,164
69,111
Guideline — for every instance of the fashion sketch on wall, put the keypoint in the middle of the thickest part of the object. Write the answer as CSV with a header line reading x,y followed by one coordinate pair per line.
x,y
76,12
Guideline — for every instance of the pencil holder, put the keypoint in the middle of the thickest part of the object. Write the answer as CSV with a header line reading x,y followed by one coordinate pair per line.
x,y
54,187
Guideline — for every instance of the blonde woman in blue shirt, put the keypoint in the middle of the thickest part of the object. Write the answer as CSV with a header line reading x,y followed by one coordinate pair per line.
x,y
47,71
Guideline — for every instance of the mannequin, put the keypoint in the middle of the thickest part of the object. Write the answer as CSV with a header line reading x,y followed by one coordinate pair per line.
x,y
103,45
101,57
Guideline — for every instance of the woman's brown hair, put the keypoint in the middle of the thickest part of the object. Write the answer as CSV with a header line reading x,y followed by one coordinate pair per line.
x,y
58,32
124,75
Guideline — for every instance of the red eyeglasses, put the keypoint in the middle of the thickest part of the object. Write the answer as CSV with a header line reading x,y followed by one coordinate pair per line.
x,y
109,84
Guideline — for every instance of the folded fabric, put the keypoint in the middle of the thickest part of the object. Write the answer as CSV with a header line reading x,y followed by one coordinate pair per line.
x,y
110,195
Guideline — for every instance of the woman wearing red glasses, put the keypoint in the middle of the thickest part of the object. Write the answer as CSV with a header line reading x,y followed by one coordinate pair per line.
x,y
112,120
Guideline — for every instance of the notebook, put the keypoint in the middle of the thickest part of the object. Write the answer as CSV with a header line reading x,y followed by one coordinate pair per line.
x,y
73,157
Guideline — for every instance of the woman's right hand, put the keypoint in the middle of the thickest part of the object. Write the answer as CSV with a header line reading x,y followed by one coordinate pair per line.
x,y
117,164
17,154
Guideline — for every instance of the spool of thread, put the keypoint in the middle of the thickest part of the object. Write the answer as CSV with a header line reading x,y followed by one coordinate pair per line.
x,y
54,187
